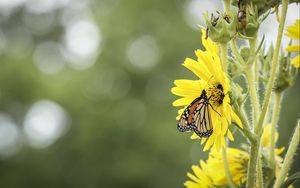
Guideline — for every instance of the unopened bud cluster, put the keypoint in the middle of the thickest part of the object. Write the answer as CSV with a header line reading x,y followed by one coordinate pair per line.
x,y
221,28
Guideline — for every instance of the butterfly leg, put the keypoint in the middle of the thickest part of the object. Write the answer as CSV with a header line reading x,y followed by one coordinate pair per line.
x,y
214,109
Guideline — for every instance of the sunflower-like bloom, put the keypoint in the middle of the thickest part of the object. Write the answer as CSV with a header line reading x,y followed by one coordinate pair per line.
x,y
293,31
208,69
212,174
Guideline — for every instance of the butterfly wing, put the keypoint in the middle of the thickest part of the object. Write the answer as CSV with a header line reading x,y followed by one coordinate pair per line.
x,y
185,123
196,117
202,119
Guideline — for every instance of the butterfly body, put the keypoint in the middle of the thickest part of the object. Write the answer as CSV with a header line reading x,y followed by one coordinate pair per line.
x,y
196,117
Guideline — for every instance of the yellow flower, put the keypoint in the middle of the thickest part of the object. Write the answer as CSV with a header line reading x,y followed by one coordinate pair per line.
x,y
265,143
293,31
265,139
208,69
212,174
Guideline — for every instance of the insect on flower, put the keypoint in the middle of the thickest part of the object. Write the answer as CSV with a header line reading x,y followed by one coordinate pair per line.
x,y
196,117
206,111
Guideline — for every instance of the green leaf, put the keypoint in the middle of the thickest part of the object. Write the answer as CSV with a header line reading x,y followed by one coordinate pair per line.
x,y
291,179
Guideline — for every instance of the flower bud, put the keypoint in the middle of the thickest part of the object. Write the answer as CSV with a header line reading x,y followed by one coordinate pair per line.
x,y
286,75
237,98
248,22
234,68
222,27
245,52
262,5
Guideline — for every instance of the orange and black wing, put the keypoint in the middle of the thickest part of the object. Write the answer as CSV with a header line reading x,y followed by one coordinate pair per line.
x,y
202,120
196,117
185,123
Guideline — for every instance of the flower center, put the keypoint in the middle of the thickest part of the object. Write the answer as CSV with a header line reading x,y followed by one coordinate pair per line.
x,y
216,94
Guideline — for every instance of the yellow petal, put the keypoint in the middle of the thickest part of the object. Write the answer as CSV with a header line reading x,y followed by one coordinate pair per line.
x,y
187,88
193,93
294,48
293,31
198,172
217,143
188,84
236,119
183,101
265,138
229,134
224,127
208,63
203,140
208,44
279,151
209,142
192,177
223,142
296,61
196,68
194,136
191,184
180,112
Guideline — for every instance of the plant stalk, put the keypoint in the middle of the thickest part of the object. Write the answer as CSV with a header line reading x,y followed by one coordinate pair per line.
x,y
278,96
289,157
224,56
227,5
258,128
253,94
226,168
236,52
246,128
260,180
251,172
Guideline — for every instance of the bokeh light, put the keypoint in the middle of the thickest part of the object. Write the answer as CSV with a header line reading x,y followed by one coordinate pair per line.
x,y
44,123
271,23
48,57
194,11
143,53
10,142
82,41
42,6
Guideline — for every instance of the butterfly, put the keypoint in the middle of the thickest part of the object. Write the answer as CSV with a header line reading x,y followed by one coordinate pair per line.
x,y
196,117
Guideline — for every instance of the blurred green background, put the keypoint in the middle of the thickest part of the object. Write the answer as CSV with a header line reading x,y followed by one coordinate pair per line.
x,y
85,93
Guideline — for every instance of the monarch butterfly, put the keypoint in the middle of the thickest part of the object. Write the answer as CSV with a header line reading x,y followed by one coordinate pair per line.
x,y
196,116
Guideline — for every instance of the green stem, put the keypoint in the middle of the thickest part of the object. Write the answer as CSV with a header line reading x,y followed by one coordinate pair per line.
x,y
252,46
227,5
246,128
251,82
274,121
236,52
253,93
256,74
251,172
258,128
224,56
289,157
226,168
260,181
